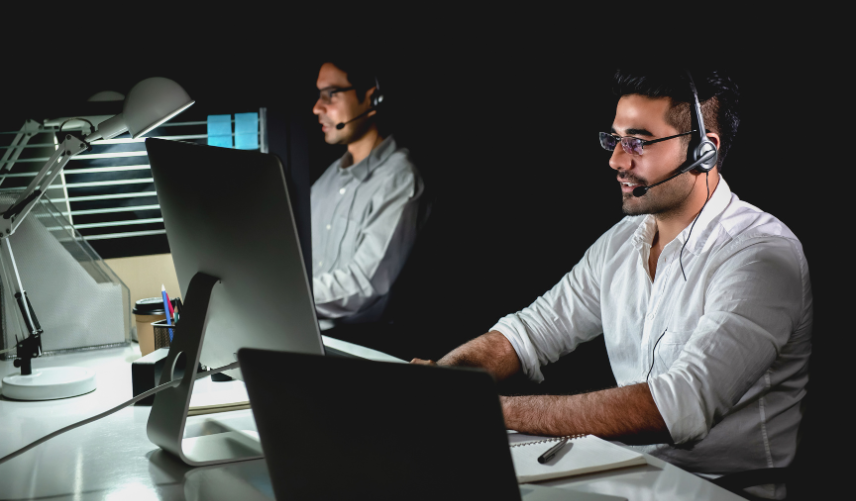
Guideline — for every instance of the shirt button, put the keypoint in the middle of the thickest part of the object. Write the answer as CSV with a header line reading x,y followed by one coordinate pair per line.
x,y
341,191
650,316
328,226
320,263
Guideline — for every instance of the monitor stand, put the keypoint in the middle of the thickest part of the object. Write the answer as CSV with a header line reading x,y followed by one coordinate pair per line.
x,y
169,411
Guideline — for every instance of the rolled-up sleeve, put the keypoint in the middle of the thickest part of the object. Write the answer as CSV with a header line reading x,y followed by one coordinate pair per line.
x,y
567,315
752,305
382,246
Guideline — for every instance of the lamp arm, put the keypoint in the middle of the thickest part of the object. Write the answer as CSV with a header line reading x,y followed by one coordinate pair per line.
x,y
30,129
108,129
16,213
29,346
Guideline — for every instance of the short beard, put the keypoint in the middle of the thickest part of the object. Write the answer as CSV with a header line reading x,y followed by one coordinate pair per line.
x,y
660,201
358,130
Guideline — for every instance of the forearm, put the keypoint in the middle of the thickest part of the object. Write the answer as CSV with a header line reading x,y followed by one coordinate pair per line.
x,y
490,351
628,413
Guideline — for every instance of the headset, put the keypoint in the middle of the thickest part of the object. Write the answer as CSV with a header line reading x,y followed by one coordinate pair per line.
x,y
377,97
376,102
701,152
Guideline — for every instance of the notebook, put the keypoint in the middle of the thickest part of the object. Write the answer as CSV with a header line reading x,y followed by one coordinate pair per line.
x,y
581,454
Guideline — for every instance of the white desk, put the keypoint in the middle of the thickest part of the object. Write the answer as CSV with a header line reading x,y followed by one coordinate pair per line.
x,y
113,458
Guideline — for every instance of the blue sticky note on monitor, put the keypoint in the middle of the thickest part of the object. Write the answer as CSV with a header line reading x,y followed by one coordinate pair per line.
x,y
220,130
247,131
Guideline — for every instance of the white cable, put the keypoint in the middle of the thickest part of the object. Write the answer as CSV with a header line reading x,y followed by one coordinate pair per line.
x,y
119,407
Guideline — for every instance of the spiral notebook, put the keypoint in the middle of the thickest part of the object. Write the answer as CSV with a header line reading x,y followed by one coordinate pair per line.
x,y
582,454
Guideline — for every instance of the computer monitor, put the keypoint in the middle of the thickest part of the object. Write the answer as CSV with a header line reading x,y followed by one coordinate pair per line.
x,y
227,214
240,268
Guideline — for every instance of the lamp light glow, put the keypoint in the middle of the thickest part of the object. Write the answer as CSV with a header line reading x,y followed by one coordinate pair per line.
x,y
165,119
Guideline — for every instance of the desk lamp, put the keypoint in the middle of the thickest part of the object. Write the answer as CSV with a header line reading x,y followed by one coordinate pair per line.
x,y
150,103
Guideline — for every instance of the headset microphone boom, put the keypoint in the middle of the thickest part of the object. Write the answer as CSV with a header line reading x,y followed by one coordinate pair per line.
x,y
376,100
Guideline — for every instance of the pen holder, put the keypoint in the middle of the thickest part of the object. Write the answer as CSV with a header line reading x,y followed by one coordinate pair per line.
x,y
162,331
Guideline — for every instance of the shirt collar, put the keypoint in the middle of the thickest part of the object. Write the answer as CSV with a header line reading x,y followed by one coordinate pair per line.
x,y
364,168
719,200
644,234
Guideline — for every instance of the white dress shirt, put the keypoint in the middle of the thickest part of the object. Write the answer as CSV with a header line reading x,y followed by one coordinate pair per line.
x,y
363,226
731,366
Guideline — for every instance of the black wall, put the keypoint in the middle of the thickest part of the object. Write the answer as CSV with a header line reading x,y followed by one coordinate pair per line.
x,y
505,134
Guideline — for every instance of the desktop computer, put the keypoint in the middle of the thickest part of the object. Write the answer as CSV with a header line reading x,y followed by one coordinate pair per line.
x,y
240,267
227,213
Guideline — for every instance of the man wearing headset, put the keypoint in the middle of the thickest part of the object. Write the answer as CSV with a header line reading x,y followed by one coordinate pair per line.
x,y
364,206
704,302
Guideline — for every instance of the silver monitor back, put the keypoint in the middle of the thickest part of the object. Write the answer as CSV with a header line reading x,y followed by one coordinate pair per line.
x,y
227,213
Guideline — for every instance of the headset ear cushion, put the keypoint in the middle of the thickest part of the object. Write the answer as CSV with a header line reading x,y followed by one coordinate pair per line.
x,y
704,149
377,99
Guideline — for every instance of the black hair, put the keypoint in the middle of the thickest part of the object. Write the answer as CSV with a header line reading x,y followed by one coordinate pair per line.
x,y
361,71
717,93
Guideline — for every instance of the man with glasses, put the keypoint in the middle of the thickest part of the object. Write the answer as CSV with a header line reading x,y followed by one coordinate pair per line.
x,y
364,206
703,300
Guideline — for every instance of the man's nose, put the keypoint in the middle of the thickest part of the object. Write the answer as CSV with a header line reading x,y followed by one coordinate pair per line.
x,y
620,159
319,107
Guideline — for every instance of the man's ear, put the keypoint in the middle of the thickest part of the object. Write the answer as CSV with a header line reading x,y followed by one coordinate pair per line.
x,y
368,95
714,138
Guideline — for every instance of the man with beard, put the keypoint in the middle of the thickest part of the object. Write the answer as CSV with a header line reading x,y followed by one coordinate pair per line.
x,y
364,206
704,302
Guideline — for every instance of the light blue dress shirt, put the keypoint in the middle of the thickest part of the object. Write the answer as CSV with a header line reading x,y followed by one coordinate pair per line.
x,y
363,227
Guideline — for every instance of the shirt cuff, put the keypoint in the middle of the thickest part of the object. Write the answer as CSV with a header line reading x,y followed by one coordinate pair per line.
x,y
515,332
679,405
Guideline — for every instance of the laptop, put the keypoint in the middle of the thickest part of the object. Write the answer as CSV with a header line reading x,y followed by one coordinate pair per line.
x,y
344,428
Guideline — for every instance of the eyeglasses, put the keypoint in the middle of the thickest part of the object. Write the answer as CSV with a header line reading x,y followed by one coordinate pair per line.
x,y
631,145
326,94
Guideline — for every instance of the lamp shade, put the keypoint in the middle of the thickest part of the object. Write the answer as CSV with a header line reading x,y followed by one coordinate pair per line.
x,y
152,102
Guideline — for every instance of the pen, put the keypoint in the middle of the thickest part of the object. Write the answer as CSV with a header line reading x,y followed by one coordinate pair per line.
x,y
177,315
166,310
543,458
171,308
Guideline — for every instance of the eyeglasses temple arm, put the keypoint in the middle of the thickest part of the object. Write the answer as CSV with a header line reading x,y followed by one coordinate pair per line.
x,y
666,138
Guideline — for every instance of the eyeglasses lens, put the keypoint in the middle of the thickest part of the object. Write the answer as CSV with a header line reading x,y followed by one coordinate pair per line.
x,y
607,141
632,145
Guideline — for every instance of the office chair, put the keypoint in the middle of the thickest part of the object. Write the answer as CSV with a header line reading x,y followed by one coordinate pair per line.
x,y
737,482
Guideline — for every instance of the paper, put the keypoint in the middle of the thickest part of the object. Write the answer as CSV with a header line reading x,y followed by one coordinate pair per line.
x,y
579,456
209,397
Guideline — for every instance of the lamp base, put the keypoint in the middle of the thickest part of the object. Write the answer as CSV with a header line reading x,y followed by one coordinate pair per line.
x,y
49,383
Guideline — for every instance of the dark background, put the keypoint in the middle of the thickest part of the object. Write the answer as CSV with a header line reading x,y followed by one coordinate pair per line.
x,y
503,131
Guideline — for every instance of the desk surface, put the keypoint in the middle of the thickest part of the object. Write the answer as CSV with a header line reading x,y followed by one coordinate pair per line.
x,y
113,458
